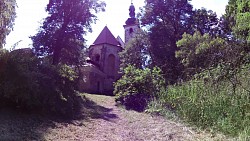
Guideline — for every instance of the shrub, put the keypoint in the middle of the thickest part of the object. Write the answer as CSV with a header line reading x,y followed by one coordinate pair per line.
x,y
138,86
33,84
57,89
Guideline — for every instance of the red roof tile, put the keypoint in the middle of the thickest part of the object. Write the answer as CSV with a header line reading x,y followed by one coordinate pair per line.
x,y
106,37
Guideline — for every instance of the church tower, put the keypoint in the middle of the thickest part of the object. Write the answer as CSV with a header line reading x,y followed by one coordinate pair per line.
x,y
132,24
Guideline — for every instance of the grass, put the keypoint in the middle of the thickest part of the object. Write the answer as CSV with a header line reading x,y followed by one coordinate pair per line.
x,y
211,106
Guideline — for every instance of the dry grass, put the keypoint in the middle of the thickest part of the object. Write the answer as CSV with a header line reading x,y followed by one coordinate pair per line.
x,y
101,120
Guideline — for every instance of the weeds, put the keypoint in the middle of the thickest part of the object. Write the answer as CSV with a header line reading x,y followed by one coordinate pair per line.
x,y
211,105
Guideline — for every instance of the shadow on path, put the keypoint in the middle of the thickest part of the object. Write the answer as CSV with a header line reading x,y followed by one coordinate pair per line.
x,y
92,110
16,125
20,125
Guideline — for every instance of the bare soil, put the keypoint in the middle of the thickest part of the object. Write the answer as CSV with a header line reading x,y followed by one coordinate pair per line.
x,y
102,120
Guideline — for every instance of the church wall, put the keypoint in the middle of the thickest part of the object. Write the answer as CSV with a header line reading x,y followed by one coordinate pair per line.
x,y
94,51
112,50
91,80
109,63
111,76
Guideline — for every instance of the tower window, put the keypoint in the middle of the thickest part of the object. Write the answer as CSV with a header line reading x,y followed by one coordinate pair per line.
x,y
131,30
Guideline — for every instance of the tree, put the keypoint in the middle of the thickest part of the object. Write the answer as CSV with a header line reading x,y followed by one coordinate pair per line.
x,y
61,35
203,52
167,20
204,21
238,17
7,17
136,52
198,52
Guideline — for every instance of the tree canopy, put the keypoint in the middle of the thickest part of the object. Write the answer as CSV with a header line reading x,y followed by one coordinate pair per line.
x,y
167,21
204,21
198,52
136,51
7,17
61,34
238,17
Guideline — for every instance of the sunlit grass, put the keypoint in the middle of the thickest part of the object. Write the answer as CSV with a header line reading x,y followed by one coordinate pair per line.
x,y
212,105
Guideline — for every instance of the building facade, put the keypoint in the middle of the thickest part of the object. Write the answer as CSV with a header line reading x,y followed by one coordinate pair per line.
x,y
102,68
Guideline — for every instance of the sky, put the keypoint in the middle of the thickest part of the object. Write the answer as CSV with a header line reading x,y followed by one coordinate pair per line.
x,y
30,14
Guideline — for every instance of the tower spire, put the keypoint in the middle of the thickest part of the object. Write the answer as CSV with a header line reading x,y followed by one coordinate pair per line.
x,y
131,25
132,10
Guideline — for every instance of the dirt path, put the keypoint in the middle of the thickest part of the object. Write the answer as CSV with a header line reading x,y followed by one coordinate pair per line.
x,y
133,126
102,121
111,123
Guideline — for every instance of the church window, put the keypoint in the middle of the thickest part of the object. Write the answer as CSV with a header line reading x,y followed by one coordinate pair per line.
x,y
131,30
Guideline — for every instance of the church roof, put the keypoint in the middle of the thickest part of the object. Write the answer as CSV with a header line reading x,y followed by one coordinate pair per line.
x,y
106,37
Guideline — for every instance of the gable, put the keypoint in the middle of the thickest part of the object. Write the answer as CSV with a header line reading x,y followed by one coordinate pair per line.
x,y
106,37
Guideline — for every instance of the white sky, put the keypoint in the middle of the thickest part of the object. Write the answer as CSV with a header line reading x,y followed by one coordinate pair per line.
x,y
31,12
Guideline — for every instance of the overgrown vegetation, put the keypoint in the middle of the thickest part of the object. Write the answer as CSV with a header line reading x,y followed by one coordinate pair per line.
x,y
204,61
219,106
45,78
31,84
137,87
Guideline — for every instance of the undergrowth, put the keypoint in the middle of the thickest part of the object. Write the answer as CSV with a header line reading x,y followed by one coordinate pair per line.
x,y
32,84
138,87
215,105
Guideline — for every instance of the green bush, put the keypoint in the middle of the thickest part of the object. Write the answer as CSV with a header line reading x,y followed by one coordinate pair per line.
x,y
33,84
138,86
57,90
218,105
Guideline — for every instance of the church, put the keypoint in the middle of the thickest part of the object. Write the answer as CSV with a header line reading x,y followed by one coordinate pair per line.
x,y
102,68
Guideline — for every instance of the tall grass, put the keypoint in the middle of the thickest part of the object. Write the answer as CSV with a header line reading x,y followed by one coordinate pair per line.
x,y
214,105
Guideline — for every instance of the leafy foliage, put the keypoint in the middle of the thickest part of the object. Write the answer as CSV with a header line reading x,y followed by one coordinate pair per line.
x,y
204,21
136,52
238,17
62,32
167,20
7,17
32,84
213,105
198,53
137,87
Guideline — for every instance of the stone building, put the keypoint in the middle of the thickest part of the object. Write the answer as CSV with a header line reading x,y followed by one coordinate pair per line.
x,y
102,68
